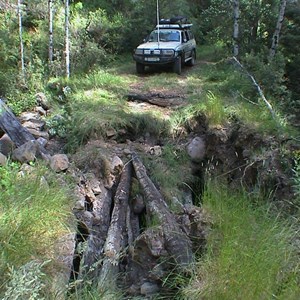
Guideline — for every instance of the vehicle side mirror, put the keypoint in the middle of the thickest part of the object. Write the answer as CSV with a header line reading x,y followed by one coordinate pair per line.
x,y
184,40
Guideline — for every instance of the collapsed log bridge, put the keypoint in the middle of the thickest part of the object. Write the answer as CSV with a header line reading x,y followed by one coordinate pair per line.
x,y
119,253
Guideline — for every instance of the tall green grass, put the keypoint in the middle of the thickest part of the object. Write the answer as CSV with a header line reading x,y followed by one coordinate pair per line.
x,y
249,252
34,213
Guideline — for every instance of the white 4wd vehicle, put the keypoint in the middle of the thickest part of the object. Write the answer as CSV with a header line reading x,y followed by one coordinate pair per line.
x,y
171,43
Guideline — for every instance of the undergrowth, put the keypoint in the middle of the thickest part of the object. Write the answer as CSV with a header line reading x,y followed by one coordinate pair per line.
x,y
34,213
170,171
250,254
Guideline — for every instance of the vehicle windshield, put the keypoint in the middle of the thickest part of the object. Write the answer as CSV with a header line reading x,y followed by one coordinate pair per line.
x,y
164,36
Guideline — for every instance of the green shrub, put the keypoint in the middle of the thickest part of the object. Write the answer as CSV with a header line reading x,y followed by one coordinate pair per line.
x,y
89,56
296,177
269,75
26,282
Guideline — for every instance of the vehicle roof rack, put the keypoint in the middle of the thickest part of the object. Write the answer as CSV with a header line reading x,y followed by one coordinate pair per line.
x,y
174,20
178,22
174,26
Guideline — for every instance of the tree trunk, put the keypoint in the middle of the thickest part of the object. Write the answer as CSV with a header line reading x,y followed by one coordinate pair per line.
x,y
67,39
177,242
50,15
11,125
236,14
116,237
21,40
275,39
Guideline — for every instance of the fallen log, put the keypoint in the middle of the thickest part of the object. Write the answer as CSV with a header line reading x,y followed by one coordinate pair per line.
x,y
177,243
12,127
116,240
157,99
91,258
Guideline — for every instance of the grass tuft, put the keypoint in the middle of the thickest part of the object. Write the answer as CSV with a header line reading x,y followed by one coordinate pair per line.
x,y
249,254
34,213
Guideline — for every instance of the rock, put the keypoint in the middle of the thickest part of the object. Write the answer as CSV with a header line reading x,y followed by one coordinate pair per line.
x,y
42,141
59,162
25,170
86,219
149,288
196,149
117,165
122,131
37,134
156,150
110,133
127,151
6,145
27,116
109,181
25,153
34,124
93,183
42,100
40,110
79,205
3,159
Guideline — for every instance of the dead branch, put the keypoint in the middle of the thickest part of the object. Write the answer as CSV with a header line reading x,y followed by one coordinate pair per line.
x,y
269,106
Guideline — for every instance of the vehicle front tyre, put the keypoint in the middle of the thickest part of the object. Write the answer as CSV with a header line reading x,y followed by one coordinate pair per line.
x,y
177,65
192,61
140,68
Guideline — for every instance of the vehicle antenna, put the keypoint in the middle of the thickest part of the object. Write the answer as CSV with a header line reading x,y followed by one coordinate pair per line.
x,y
157,15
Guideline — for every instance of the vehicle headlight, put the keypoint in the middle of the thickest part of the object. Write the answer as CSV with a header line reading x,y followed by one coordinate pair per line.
x,y
168,52
139,51
156,52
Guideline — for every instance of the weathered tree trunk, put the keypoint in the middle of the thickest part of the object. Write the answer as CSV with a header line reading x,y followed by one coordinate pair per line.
x,y
275,39
21,40
67,39
91,259
116,237
177,242
50,15
236,14
11,125
156,99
